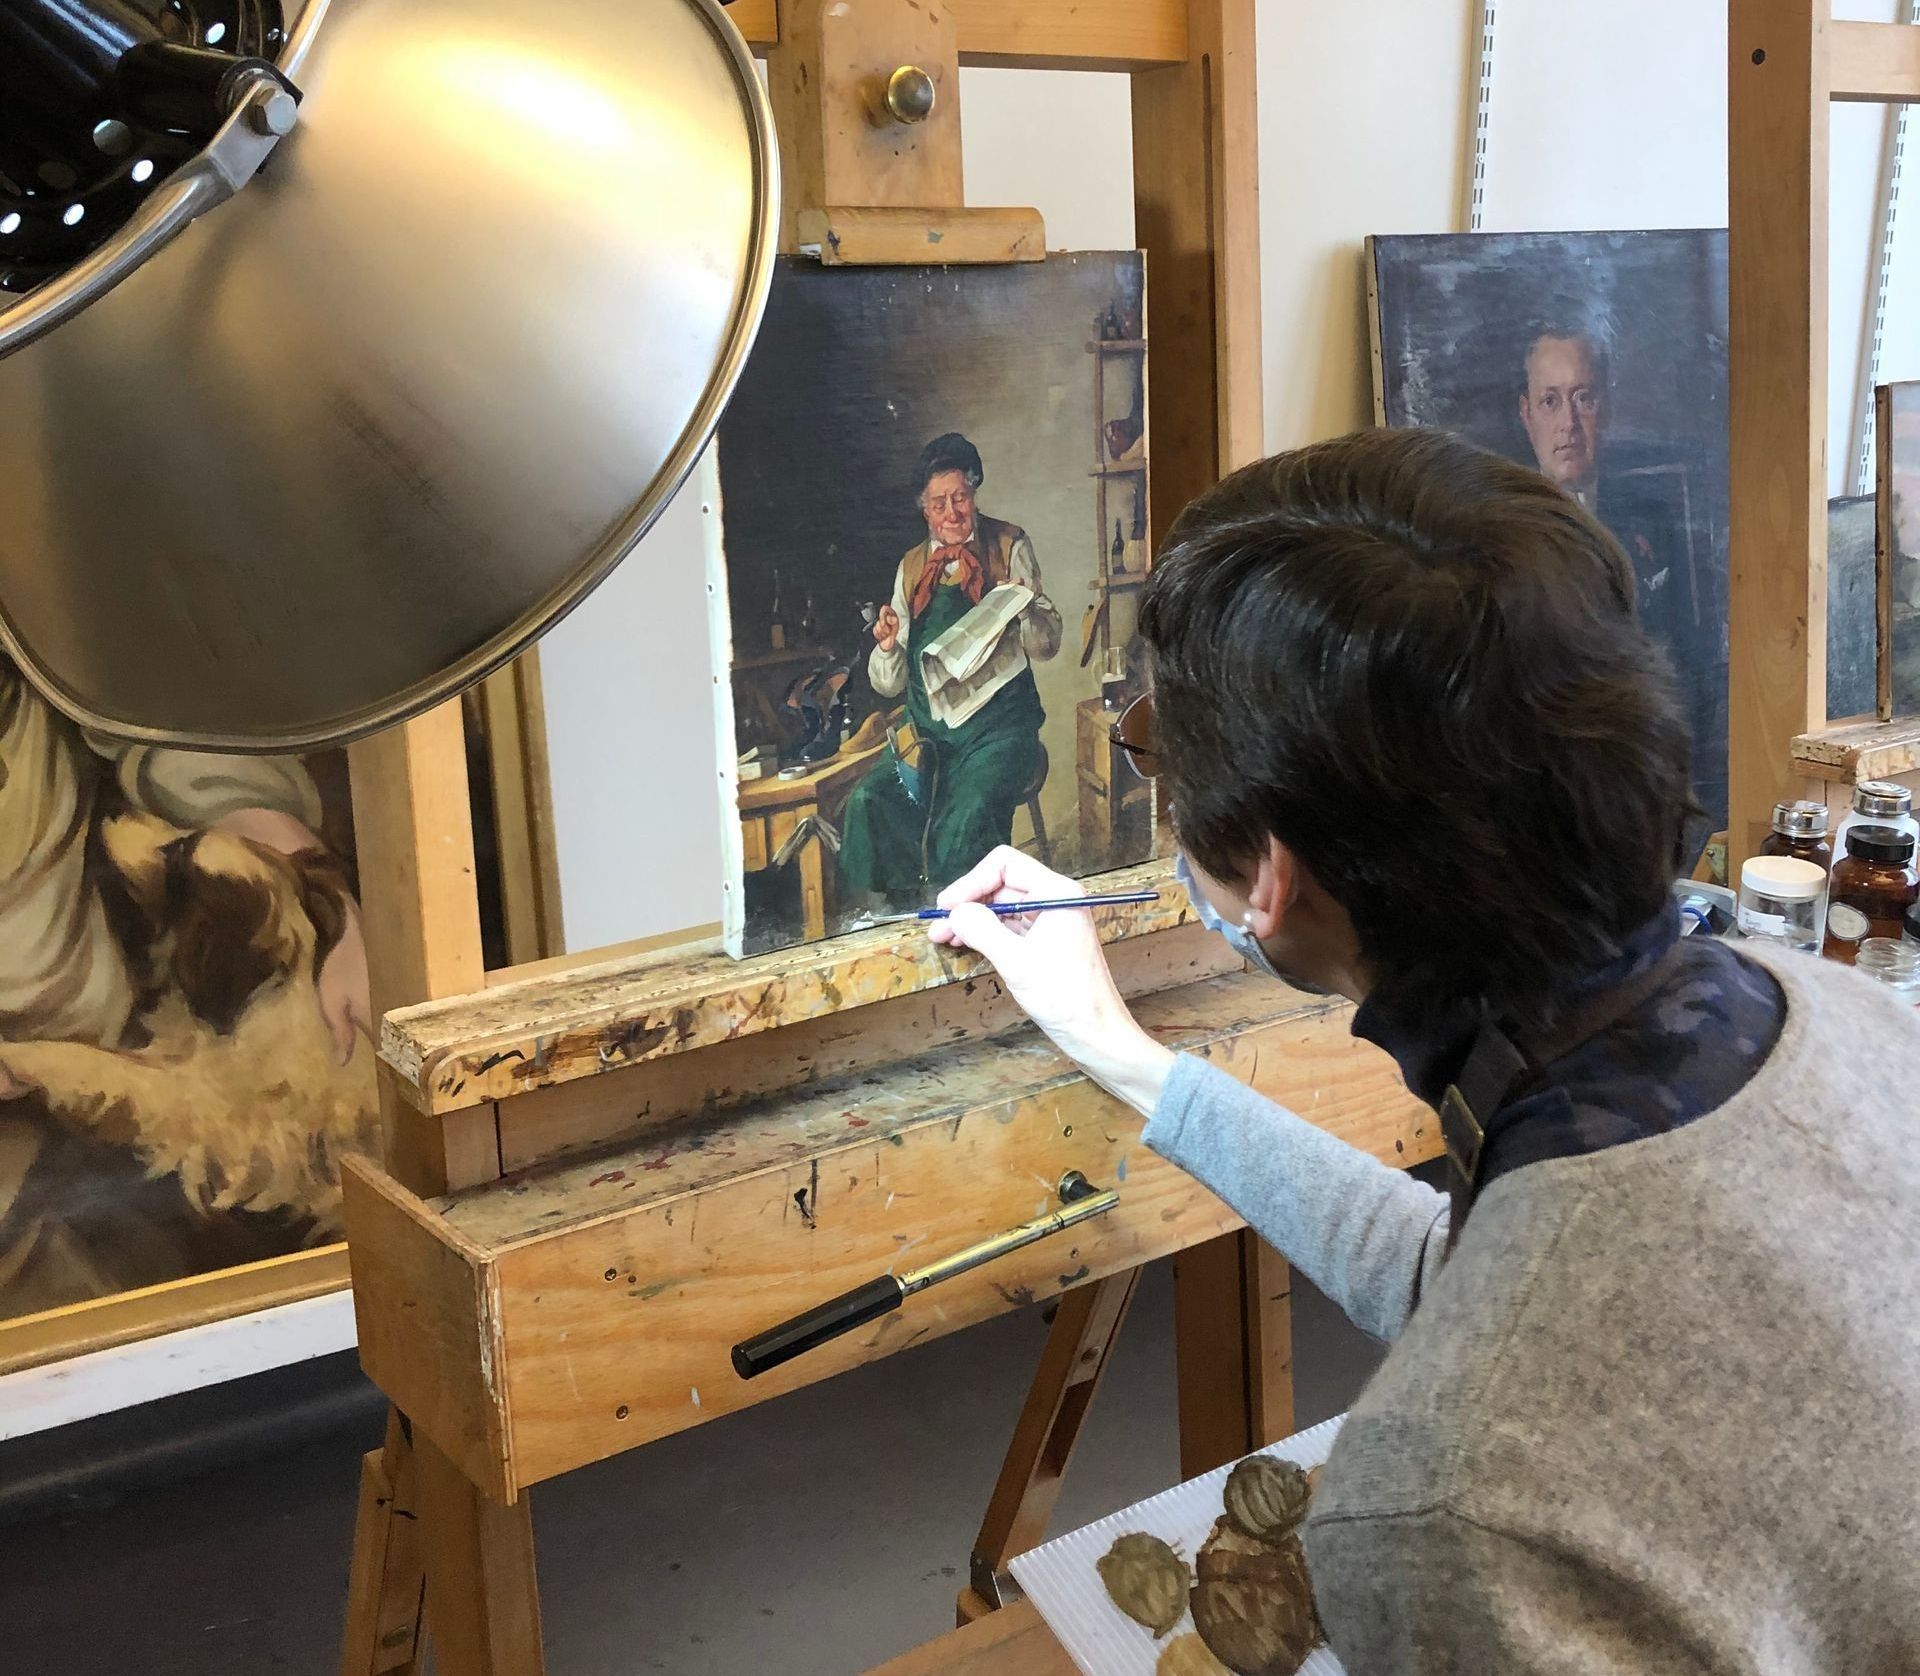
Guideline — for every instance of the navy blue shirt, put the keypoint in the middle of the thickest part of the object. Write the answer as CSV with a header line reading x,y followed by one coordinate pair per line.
x,y
1682,1051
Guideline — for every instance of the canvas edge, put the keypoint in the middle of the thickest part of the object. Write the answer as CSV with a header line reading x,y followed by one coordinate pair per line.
x,y
733,860
1369,261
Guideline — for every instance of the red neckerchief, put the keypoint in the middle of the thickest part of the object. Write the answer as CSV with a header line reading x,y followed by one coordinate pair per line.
x,y
973,576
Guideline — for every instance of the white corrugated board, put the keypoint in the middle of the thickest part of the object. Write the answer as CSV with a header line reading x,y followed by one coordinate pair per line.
x,y
1060,1579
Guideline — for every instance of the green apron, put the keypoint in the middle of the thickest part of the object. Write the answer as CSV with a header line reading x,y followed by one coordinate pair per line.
x,y
977,774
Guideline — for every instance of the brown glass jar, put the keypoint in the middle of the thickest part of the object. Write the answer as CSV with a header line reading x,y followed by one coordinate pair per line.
x,y
1800,831
1874,884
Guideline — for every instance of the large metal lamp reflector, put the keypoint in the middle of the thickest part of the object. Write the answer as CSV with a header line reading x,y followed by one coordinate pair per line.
x,y
363,429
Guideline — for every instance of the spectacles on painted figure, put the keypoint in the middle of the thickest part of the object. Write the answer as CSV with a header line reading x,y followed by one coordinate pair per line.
x,y
1133,731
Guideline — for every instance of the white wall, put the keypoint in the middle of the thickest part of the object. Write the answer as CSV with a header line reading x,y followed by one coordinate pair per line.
x,y
1363,129
1602,116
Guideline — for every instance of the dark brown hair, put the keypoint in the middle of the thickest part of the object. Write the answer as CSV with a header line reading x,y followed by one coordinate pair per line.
x,y
1418,666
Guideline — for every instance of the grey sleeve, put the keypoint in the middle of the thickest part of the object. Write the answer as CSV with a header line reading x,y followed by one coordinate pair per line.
x,y
1433,1593
1368,1236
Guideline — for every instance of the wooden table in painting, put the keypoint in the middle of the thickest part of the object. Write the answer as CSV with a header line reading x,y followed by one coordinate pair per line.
x,y
772,810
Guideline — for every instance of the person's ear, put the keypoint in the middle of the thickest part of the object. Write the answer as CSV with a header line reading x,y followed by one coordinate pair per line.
x,y
1526,411
1276,882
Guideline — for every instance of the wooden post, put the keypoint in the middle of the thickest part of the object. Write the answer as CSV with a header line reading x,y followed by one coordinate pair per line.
x,y
1196,194
1233,1337
1079,1345
866,98
1777,121
424,1534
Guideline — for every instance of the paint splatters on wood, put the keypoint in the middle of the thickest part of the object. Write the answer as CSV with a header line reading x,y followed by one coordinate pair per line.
x,y
1076,1277
610,1175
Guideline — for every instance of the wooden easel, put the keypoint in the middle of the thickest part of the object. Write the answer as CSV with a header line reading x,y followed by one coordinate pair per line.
x,y
599,1179
1787,61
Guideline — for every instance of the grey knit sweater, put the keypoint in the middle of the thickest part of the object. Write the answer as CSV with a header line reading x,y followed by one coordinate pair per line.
x,y
1660,1410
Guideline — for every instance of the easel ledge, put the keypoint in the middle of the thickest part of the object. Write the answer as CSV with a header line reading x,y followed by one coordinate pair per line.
x,y
558,1028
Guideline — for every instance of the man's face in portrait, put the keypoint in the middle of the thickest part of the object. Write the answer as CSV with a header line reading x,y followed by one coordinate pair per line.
x,y
1564,410
947,504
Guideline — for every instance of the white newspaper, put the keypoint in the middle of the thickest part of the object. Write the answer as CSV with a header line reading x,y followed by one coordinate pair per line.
x,y
976,657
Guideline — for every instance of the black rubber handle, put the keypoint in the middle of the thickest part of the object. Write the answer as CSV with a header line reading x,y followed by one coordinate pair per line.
x,y
752,1357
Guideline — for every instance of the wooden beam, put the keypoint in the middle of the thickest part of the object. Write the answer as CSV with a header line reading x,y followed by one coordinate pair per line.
x,y
587,1021
1860,751
882,237
1196,197
1233,1333
1874,63
513,702
615,1285
471,1562
413,833
1777,123
483,1603
1037,34
1079,1345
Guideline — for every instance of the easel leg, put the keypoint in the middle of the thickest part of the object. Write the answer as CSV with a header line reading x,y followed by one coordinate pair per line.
x,y
483,1602
386,1585
1078,1345
1233,1332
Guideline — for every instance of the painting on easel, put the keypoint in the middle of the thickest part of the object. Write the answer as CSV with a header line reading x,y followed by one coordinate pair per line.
x,y
929,543
1601,360
185,1038
1897,543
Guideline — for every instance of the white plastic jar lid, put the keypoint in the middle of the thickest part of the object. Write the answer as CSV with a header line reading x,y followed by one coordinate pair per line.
x,y
1783,877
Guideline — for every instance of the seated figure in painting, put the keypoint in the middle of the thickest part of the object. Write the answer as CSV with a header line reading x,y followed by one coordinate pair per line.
x,y
156,907
968,618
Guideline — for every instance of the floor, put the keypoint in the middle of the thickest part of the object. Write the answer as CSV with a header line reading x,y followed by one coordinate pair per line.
x,y
814,1536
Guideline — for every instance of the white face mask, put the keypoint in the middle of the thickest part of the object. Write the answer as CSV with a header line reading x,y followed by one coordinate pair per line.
x,y
1240,938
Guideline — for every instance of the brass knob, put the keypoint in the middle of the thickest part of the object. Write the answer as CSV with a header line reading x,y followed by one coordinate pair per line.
x,y
910,94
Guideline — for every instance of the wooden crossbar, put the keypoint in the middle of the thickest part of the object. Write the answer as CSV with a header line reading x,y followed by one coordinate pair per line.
x,y
1873,63
1037,34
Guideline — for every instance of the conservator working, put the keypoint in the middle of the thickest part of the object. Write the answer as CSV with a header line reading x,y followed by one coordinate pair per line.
x,y
1653,1398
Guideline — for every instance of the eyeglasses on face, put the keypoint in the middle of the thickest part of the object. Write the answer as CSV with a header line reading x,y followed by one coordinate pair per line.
x,y
1133,732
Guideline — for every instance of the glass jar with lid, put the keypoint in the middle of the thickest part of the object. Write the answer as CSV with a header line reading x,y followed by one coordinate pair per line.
x,y
1873,885
1877,803
1897,965
1782,900
1800,831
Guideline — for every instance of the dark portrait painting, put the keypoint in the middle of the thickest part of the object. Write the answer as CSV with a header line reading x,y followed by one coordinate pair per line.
x,y
1852,632
1601,360
185,1040
929,542
1897,448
